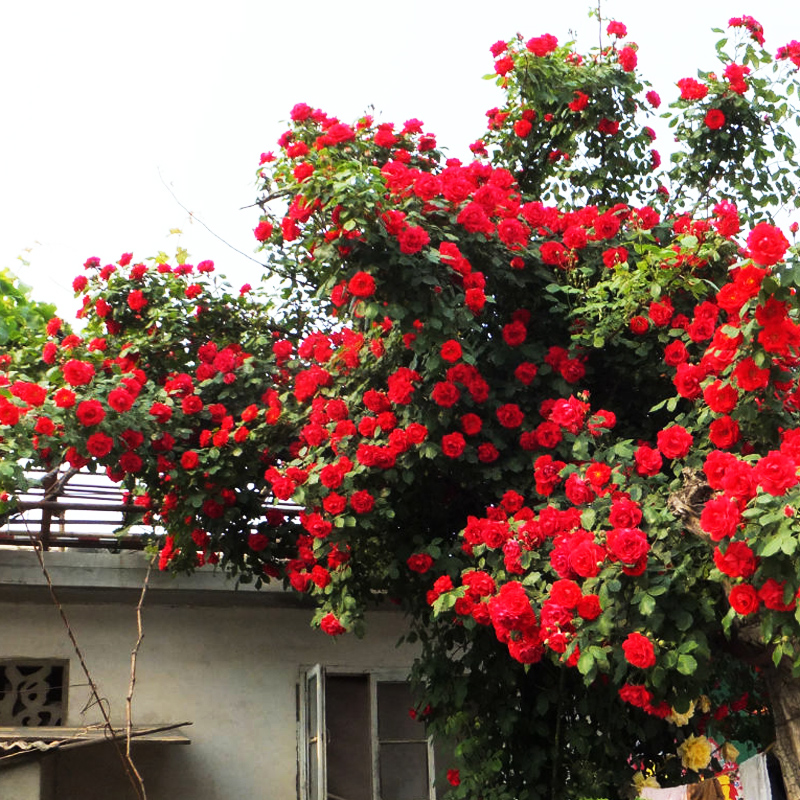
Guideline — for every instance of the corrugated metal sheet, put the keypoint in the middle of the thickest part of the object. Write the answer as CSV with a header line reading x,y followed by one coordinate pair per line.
x,y
18,741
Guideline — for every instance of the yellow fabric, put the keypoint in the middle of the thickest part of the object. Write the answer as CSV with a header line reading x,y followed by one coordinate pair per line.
x,y
725,785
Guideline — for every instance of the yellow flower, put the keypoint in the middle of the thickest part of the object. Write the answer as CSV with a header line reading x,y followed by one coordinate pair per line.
x,y
681,719
640,780
729,752
695,753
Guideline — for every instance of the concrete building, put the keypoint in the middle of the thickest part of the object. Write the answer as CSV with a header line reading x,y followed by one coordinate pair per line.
x,y
277,710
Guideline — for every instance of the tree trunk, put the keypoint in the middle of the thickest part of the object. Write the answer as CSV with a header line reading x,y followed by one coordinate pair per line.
x,y
784,690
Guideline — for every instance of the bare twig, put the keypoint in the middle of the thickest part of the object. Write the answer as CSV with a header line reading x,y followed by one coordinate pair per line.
x,y
213,233
132,684
127,763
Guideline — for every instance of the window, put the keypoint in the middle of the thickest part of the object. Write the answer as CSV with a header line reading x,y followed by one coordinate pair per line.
x,y
358,741
33,692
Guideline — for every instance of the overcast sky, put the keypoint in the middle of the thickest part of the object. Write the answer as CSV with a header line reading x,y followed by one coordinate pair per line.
x,y
108,104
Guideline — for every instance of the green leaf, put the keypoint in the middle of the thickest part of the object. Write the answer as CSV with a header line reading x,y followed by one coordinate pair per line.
x,y
647,604
686,664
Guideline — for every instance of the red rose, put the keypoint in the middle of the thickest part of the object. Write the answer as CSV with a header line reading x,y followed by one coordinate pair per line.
x,y
334,503
687,380
453,444
487,453
130,462
99,445
413,239
120,399
720,397
724,432
263,230
586,559
77,373
579,102
610,127
771,595
749,376
627,59
625,513
512,232
475,300
675,441
64,398
554,254
648,461
776,473
720,518
510,415
639,651
635,694
589,607
767,244
362,502
514,333
578,491
90,412
450,351
331,625
30,393
474,219
542,45
510,609
743,599
136,300
362,284
738,560
627,545
692,89
675,353
565,593
445,394
190,459
714,119
526,372
419,562
161,411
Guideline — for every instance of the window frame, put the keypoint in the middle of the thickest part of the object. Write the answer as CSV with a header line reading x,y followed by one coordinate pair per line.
x,y
375,677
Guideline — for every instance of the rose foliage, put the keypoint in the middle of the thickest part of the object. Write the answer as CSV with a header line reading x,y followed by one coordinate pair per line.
x,y
546,401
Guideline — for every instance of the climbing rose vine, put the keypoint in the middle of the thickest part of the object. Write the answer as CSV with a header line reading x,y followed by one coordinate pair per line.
x,y
545,400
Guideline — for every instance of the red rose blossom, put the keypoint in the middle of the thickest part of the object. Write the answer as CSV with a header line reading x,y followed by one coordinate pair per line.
x,y
744,599
767,244
90,412
362,284
639,651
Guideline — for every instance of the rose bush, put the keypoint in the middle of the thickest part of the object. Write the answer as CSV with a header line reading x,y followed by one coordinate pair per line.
x,y
546,401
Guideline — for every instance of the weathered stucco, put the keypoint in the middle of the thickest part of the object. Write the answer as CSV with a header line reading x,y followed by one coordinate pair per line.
x,y
226,661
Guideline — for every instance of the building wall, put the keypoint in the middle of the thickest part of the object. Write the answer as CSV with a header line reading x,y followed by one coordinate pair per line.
x,y
227,662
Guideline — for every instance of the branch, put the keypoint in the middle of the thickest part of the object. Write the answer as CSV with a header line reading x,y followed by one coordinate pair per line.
x,y
127,763
215,235
132,685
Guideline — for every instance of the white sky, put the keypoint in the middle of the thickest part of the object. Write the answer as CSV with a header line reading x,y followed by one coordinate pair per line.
x,y
102,100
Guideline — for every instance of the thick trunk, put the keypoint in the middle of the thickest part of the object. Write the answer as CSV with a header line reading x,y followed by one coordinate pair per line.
x,y
784,690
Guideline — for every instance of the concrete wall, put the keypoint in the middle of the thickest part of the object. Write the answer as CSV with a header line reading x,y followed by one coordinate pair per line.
x,y
228,662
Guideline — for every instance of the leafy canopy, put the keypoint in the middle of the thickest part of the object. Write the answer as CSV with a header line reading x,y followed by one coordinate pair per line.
x,y
545,401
